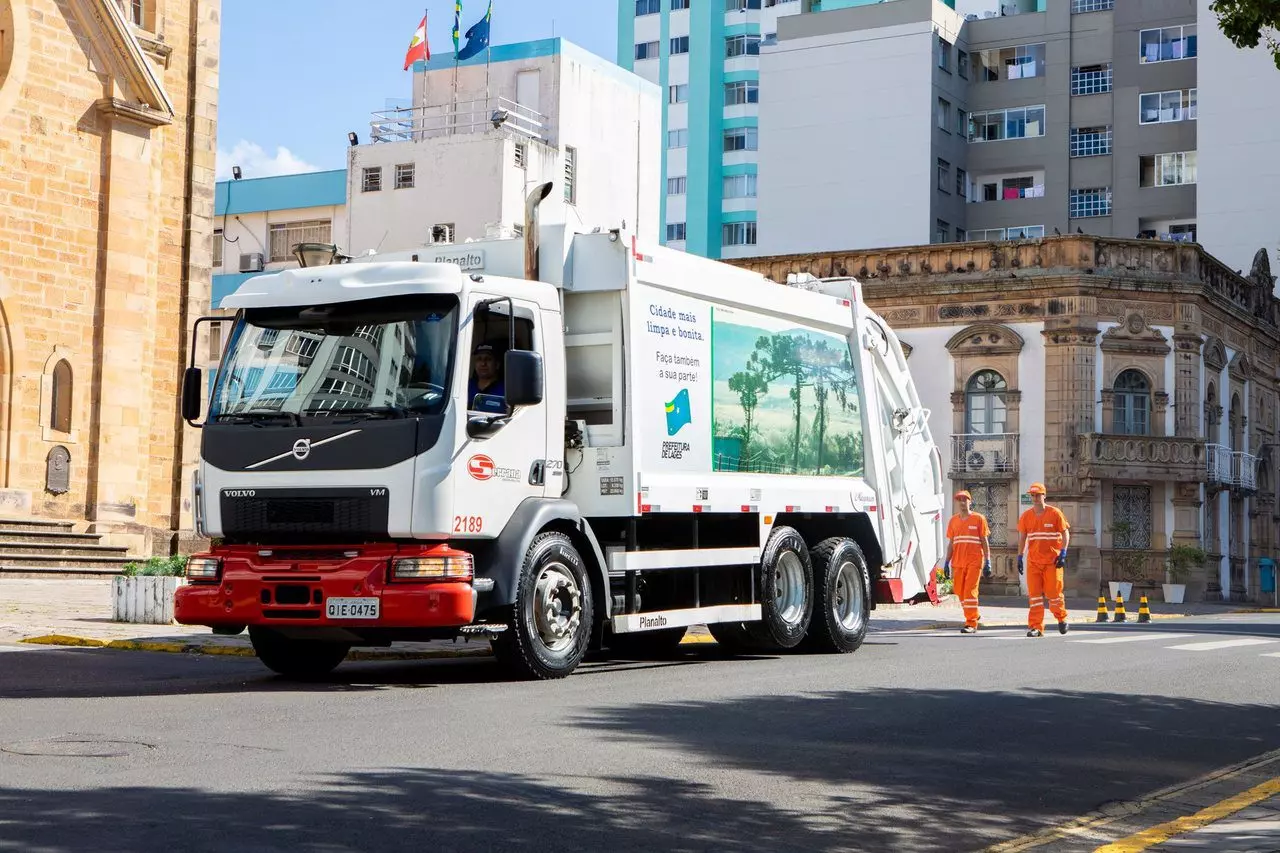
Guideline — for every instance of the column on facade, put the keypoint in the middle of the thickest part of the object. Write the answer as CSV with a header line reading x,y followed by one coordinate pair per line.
x,y
126,325
1070,384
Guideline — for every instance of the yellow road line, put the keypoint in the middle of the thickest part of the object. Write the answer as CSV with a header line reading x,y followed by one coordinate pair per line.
x,y
64,640
1140,841
1090,823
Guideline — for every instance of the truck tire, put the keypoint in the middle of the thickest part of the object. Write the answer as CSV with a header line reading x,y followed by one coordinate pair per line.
x,y
551,620
733,638
786,592
643,645
297,659
841,606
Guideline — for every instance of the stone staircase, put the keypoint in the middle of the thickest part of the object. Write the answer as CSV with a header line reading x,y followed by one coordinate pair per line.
x,y
36,548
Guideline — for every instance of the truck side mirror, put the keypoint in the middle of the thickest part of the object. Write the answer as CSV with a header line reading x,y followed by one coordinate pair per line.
x,y
523,378
192,393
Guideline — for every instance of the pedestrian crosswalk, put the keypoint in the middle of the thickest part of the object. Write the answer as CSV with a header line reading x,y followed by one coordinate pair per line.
x,y
1186,641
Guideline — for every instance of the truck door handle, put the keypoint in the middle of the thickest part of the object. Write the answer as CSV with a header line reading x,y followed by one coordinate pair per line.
x,y
537,473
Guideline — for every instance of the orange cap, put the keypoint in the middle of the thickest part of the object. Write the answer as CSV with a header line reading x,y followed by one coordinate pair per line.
x,y
963,494
1036,489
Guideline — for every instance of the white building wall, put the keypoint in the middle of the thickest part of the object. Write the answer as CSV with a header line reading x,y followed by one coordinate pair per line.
x,y
248,233
1238,133
817,150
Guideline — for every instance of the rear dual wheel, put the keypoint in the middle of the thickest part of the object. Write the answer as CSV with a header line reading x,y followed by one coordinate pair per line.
x,y
841,607
786,599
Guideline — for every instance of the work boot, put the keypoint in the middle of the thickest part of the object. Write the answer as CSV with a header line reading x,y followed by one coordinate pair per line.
x,y
968,629
1035,632
1062,627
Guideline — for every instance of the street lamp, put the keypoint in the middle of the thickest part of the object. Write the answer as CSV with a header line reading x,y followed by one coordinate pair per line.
x,y
315,254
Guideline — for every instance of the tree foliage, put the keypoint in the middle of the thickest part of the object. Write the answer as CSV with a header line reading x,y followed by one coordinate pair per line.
x,y
1250,22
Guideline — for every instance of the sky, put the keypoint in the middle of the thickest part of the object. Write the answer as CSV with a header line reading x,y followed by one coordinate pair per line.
x,y
297,75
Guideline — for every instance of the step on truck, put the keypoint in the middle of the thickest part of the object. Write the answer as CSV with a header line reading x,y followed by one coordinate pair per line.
x,y
586,443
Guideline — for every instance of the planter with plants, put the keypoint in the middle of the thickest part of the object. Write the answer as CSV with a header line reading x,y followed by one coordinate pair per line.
x,y
143,592
1181,561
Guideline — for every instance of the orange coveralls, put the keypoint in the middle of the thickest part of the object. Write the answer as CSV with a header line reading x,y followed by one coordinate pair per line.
x,y
967,535
1044,579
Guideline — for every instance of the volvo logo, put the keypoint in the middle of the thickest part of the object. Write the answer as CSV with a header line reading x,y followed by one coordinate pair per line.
x,y
302,449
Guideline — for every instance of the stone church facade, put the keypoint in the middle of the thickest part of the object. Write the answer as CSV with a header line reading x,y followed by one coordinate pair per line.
x,y
107,145
1137,379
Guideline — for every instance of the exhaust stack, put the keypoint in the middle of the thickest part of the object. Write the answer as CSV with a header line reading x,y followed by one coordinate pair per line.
x,y
531,203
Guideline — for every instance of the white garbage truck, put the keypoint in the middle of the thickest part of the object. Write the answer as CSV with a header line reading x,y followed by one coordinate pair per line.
x,y
580,444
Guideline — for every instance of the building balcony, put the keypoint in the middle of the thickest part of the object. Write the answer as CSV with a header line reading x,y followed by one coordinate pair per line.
x,y
992,456
1231,469
1142,457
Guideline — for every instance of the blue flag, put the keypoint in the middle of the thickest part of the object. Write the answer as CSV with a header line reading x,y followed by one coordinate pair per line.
x,y
678,414
478,35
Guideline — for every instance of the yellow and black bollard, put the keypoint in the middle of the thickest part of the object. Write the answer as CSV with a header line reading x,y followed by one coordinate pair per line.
x,y
1144,615
1119,617
1102,609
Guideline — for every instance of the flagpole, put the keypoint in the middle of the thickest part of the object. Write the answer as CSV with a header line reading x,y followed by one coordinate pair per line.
x,y
457,26
488,55
421,109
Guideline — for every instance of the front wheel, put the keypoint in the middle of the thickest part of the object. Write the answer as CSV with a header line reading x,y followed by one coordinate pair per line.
x,y
551,620
841,607
298,659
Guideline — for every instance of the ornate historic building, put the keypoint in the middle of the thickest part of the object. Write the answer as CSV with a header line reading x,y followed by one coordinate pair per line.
x,y
107,147
1136,378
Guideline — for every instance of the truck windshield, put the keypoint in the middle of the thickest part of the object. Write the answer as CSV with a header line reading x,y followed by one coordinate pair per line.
x,y
385,357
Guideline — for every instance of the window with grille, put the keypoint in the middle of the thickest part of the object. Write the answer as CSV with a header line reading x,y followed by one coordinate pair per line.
x,y
1090,141
675,231
217,248
1079,6
1095,201
521,155
679,44
741,92
1131,517
404,176
1091,79
570,175
992,501
739,234
371,179
677,186
1167,170
742,139
283,236
1132,404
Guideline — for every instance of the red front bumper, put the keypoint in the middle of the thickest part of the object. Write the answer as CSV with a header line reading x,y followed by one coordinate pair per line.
x,y
290,587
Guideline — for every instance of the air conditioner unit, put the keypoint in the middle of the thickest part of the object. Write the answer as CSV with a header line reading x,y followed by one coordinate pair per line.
x,y
978,461
251,262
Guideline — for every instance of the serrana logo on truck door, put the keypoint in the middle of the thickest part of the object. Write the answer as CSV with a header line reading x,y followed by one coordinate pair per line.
x,y
480,466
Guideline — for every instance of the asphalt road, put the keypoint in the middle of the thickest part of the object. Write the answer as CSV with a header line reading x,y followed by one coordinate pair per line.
x,y
922,740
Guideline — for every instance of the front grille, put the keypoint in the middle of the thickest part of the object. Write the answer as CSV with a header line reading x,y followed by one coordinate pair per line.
x,y
299,515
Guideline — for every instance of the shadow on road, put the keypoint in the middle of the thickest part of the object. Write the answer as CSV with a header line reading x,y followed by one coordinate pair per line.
x,y
876,770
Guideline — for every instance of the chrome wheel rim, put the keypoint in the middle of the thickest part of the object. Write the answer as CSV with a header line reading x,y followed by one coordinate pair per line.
x,y
788,588
557,607
846,605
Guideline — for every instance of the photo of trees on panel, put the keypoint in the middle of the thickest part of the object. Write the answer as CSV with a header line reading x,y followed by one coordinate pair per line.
x,y
785,401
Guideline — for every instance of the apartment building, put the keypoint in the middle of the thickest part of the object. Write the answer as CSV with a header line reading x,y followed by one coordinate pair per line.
x,y
998,119
1138,379
705,57
458,164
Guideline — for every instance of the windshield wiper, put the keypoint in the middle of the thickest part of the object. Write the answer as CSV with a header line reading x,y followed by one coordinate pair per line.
x,y
363,412
259,418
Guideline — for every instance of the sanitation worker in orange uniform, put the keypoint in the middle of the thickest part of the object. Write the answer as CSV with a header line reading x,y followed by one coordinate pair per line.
x,y
1043,538
968,552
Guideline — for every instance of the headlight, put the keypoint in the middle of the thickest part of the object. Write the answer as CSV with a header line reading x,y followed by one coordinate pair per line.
x,y
441,565
203,568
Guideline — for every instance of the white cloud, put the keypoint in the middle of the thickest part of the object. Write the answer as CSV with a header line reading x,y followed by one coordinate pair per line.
x,y
254,162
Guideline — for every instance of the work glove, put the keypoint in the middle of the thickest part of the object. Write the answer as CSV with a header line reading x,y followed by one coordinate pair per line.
x,y
946,570
986,569
1021,568
1062,558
